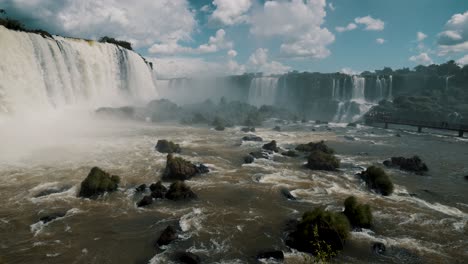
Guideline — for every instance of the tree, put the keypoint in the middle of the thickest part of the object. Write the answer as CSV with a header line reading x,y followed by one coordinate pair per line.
x,y
2,11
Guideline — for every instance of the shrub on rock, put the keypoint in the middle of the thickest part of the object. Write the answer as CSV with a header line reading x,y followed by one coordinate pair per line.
x,y
359,215
320,231
98,182
413,164
179,169
376,179
271,146
319,160
311,146
180,191
165,146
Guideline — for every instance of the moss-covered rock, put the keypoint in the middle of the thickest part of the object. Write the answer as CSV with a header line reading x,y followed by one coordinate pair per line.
x,y
271,146
377,180
319,231
165,146
359,215
180,191
313,146
98,182
319,160
413,164
179,169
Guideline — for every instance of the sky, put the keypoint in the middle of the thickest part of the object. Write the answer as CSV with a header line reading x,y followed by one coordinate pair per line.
x,y
203,37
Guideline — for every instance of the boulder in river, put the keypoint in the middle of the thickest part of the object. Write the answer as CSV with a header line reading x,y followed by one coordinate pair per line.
x,y
377,180
158,190
271,146
147,200
277,255
141,188
290,153
359,215
202,169
248,129
98,182
319,160
286,193
167,236
413,164
352,125
259,154
165,146
51,217
249,159
319,231
252,138
179,169
378,248
180,191
187,258
312,146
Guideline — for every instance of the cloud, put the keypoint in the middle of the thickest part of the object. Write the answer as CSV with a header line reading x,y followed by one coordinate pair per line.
x,y
454,38
380,41
331,6
349,27
232,53
370,23
143,22
421,36
215,43
205,8
259,62
230,12
298,23
422,58
349,71
463,60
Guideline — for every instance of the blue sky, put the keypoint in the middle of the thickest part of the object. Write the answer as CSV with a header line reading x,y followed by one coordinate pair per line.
x,y
233,36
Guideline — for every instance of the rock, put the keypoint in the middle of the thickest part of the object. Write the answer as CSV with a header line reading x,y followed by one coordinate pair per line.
x,y
286,193
317,229
179,169
377,180
202,169
290,153
350,138
318,122
165,146
158,190
52,217
313,130
398,135
220,128
167,236
141,188
249,159
311,146
52,190
147,200
187,258
319,160
359,215
413,164
378,248
277,129
259,154
252,138
271,254
126,112
248,129
180,191
271,146
352,125
98,182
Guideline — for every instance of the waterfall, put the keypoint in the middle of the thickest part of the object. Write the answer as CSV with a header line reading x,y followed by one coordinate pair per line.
x,y
263,91
41,73
358,89
379,88
390,88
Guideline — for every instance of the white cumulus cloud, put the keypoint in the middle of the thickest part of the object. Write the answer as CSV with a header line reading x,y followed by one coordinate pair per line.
x,y
349,27
370,23
259,62
380,41
463,60
422,58
454,38
229,12
421,36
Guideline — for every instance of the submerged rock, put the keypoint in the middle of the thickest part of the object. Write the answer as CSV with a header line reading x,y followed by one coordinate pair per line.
x,y
167,236
312,146
165,146
277,255
271,146
48,218
98,182
377,180
359,215
220,128
180,191
248,129
249,159
187,258
350,138
319,160
286,193
141,188
147,200
352,125
52,190
290,153
413,164
179,169
319,122
277,129
158,190
252,138
259,154
378,248
202,169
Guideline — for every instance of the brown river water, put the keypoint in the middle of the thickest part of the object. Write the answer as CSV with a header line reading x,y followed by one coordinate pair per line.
x,y
240,210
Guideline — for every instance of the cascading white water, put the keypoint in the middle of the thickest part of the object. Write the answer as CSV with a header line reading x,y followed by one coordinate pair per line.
x,y
379,85
41,73
263,91
359,84
390,88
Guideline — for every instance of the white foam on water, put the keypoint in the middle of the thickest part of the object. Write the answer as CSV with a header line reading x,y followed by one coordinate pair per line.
x,y
192,220
38,227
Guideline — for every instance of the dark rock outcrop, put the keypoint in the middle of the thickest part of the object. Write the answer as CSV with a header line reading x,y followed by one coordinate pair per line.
x,y
202,169
277,255
377,180
179,169
167,236
165,146
141,188
48,218
378,248
180,191
319,160
290,153
158,190
359,215
286,193
249,159
311,146
147,200
98,182
252,138
259,154
248,129
413,164
187,258
271,146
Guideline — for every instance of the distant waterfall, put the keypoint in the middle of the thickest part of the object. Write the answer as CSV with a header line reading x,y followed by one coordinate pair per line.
x,y
383,88
359,84
263,91
41,73
390,89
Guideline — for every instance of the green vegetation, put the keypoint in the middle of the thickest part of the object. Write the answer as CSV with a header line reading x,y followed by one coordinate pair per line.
x,y
378,180
121,43
98,182
311,146
165,146
319,160
359,215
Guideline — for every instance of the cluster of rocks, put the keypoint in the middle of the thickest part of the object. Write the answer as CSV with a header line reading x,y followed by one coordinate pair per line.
x,y
413,164
377,180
